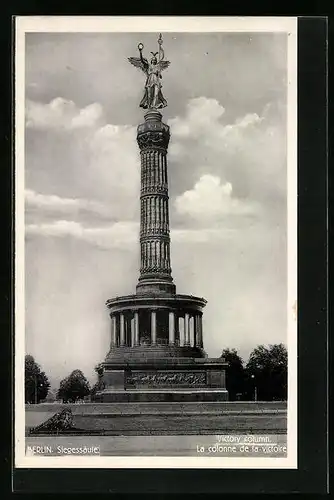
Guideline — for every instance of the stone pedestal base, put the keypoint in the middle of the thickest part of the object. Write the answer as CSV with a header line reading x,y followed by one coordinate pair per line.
x,y
159,396
181,379
149,286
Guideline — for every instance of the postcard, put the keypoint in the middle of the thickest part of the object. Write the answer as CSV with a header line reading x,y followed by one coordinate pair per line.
x,y
156,242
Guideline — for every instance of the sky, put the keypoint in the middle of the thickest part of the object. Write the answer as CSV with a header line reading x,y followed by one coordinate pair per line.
x,y
227,171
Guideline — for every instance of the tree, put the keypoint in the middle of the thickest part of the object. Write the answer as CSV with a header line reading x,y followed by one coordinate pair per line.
x,y
267,372
51,397
35,381
99,369
235,373
73,387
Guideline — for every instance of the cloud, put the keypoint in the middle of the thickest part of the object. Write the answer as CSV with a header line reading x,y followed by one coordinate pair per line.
x,y
211,200
248,153
114,168
80,157
62,114
123,235
207,236
117,235
38,203
201,113
203,116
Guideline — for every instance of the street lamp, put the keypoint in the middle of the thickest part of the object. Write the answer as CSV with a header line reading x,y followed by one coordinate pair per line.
x,y
40,385
255,388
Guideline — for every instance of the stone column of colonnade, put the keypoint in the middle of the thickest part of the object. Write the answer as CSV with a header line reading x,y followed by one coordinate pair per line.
x,y
171,327
192,329
125,328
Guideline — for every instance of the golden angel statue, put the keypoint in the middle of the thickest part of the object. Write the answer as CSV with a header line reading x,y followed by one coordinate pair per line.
x,y
153,98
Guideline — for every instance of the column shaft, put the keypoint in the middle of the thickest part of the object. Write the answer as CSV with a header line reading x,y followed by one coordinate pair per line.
x,y
136,325
122,330
132,333
186,329
196,320
155,270
115,329
171,338
112,332
116,332
153,327
128,337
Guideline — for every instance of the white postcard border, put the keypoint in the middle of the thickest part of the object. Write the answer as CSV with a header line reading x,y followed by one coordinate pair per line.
x,y
154,24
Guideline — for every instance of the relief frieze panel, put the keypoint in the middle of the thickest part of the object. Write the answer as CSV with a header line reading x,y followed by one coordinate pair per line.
x,y
168,379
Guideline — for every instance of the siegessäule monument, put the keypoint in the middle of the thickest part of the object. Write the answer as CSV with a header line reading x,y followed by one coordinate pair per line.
x,y
156,346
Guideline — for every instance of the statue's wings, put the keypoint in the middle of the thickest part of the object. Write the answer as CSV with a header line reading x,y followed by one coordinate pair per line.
x,y
163,65
136,61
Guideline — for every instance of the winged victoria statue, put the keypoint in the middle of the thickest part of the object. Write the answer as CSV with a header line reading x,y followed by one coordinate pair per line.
x,y
153,98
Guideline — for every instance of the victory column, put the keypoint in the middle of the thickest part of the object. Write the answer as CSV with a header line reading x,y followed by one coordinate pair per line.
x,y
156,348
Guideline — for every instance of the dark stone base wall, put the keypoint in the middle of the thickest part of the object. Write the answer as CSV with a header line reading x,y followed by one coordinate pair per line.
x,y
179,396
187,381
